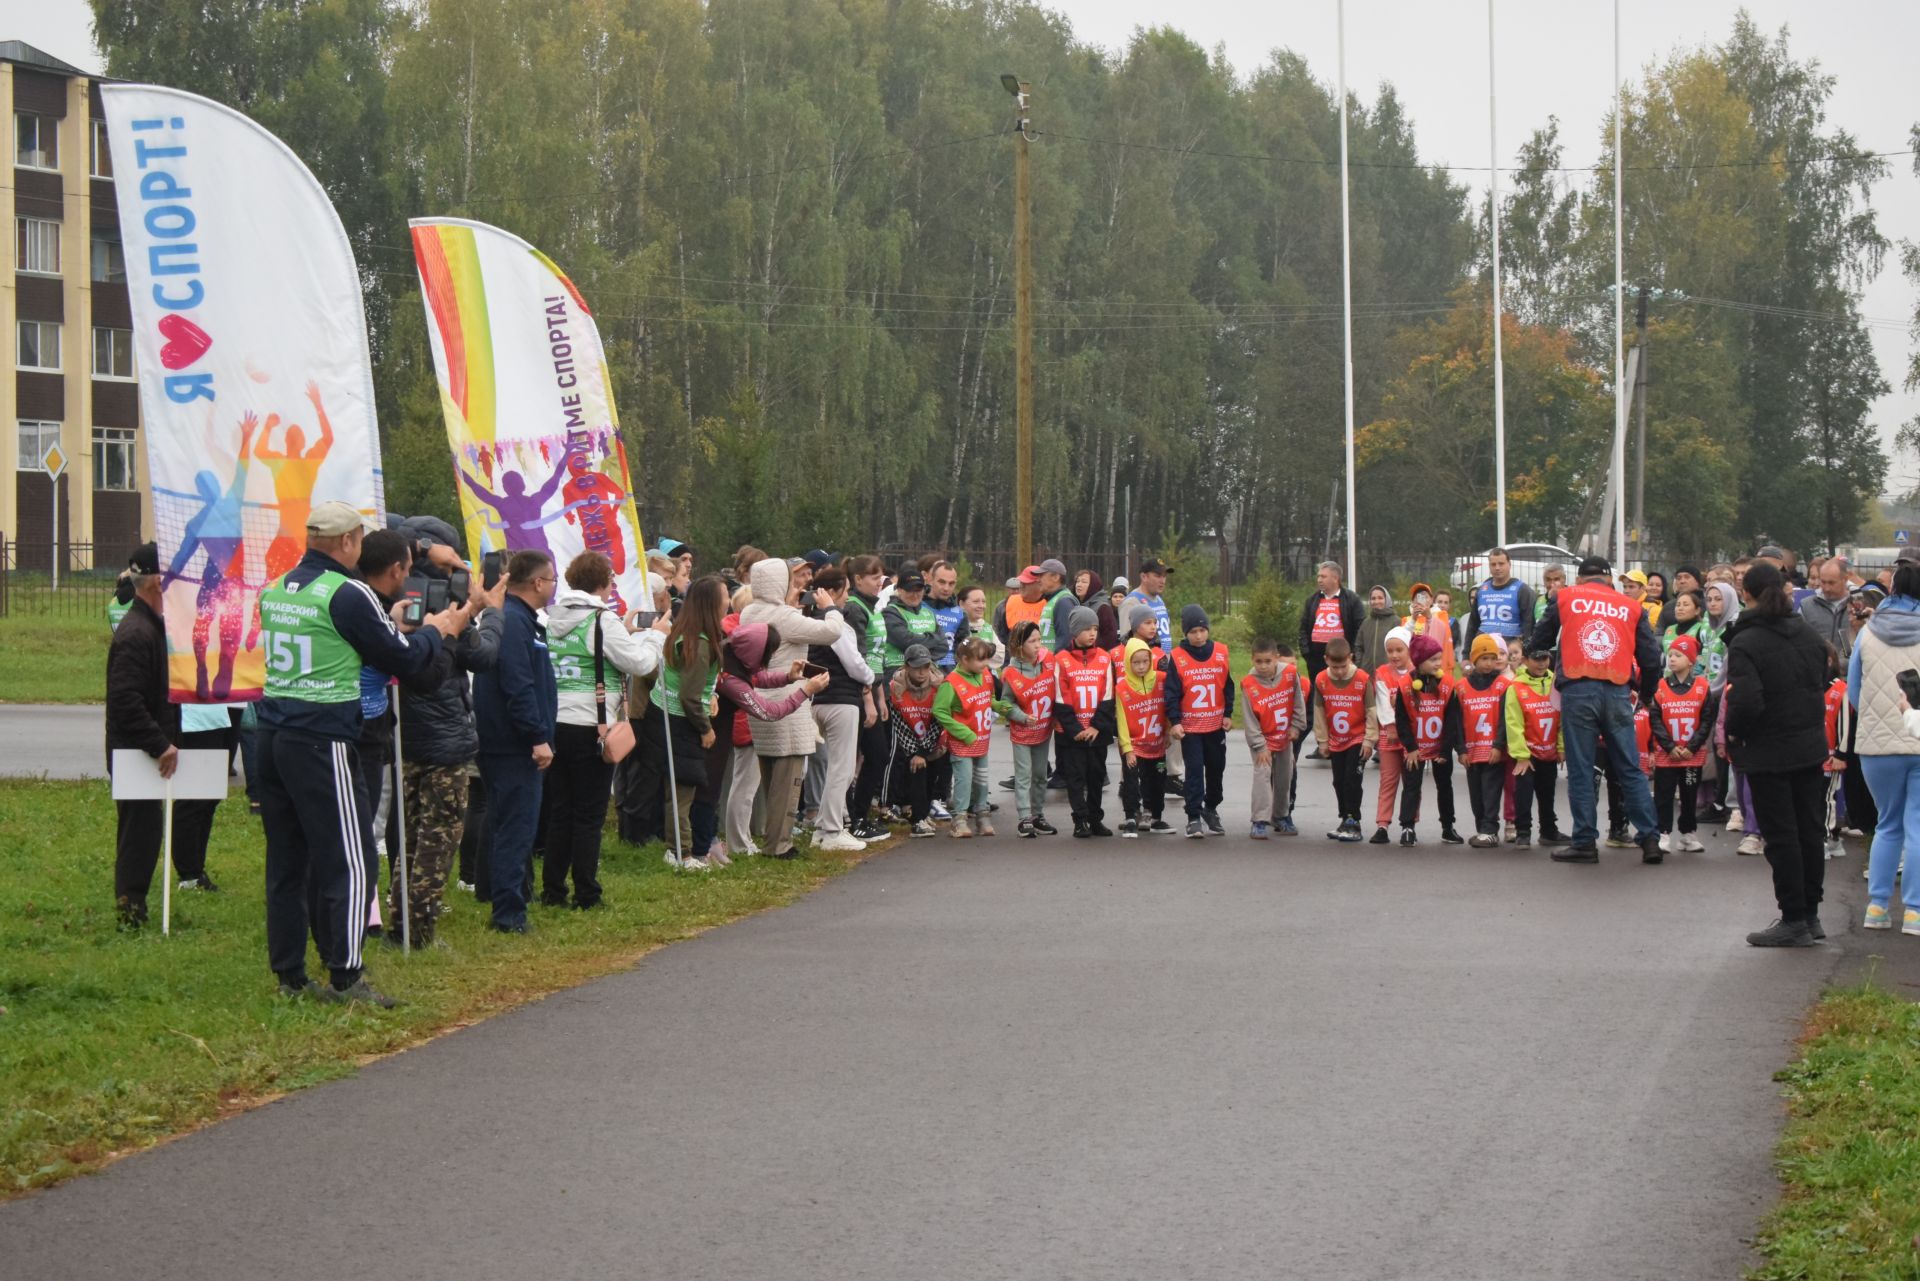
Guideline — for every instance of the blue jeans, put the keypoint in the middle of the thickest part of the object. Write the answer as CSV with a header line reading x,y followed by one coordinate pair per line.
x,y
1590,709
970,785
513,818
1895,784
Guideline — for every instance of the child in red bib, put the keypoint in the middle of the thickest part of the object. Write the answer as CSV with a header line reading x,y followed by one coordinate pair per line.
x,y
965,708
1199,705
1083,720
1275,698
1428,723
1531,739
1348,727
1680,724
1388,680
1026,683
1481,697
1140,716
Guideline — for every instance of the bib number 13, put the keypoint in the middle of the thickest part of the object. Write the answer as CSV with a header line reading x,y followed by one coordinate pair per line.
x,y
290,655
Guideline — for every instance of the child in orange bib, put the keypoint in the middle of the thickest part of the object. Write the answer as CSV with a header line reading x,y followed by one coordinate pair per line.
x,y
1275,697
1348,727
1199,703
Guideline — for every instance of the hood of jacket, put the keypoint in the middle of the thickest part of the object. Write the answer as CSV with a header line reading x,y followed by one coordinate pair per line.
x,y
769,579
748,643
1096,588
1731,599
569,610
1140,684
1390,610
1897,621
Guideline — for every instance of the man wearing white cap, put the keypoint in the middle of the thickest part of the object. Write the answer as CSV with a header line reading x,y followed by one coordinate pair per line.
x,y
319,625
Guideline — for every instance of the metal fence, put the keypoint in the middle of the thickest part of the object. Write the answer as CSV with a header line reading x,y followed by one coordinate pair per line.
x,y
28,584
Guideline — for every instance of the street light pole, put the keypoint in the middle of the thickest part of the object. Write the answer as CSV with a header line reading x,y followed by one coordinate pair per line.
x,y
1022,321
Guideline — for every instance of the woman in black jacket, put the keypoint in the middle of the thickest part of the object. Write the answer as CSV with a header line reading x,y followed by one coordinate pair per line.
x,y
1776,734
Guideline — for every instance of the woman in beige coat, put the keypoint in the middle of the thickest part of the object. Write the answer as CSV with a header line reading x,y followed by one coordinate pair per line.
x,y
783,746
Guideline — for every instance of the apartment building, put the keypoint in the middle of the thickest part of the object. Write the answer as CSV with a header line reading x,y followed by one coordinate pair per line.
x,y
65,308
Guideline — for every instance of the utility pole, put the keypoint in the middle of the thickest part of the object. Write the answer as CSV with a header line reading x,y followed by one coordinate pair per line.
x,y
1640,428
1022,319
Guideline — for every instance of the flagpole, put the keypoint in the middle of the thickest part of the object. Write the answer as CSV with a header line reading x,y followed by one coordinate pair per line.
x,y
1619,321
1346,284
1499,367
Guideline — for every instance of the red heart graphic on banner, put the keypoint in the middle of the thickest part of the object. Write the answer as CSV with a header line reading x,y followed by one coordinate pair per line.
x,y
186,341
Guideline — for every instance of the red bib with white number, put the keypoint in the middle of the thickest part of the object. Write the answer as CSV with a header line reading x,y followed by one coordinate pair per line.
x,y
1146,715
1680,711
1327,623
1427,709
975,712
1085,677
1203,688
1480,711
1346,710
1542,721
1271,707
1034,696
916,709
1643,737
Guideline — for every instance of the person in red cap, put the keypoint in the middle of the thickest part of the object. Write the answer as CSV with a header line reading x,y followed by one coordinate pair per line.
x,y
1681,720
1427,719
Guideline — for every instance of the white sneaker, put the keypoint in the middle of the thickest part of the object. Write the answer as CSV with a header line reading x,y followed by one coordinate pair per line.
x,y
1751,844
466,886
693,865
748,850
840,842
673,860
1690,844
940,812
717,857
1666,842
1836,848
1736,821
1854,832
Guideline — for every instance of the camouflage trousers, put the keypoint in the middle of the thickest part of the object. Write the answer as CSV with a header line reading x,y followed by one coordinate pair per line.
x,y
436,798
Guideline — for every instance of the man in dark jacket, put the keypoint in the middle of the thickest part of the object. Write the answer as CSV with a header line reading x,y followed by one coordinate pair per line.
x,y
515,706
140,718
1332,610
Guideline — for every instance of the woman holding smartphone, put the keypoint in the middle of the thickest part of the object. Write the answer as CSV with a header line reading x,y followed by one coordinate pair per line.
x,y
1883,682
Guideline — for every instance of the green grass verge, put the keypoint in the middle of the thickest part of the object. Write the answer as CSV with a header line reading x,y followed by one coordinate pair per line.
x,y
50,658
1850,1157
111,1042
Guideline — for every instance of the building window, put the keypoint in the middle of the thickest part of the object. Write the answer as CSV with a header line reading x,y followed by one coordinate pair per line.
x,y
36,141
112,352
109,262
38,346
34,439
36,245
99,155
113,458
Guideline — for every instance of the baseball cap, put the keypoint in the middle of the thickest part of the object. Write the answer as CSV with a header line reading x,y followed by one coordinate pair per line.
x,y
1594,566
1031,574
1770,552
1051,566
145,559
1637,575
818,558
910,583
1155,565
917,656
333,518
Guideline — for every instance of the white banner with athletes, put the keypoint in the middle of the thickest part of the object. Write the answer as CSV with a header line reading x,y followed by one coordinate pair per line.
x,y
250,342
537,454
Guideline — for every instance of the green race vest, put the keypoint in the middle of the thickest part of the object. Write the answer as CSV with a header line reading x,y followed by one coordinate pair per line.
x,y
572,658
666,690
115,612
1046,618
876,638
307,660
921,622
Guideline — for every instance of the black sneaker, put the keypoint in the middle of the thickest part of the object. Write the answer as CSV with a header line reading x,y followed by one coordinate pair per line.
x,y
1783,933
1576,854
361,993
1380,837
1195,832
1450,837
1006,785
1554,836
1618,839
1025,831
1521,840
1650,851
1160,827
296,991
1043,827
1814,927
202,882
1081,829
1130,829
1097,828
1407,837
1056,783
553,898
1212,819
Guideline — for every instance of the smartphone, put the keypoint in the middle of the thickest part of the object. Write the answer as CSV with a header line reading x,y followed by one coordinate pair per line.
x,y
437,594
810,670
459,583
1910,686
643,619
492,565
414,593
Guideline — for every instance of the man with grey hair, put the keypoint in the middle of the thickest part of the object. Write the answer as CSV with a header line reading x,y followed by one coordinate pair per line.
x,y
140,718
1826,608
1331,612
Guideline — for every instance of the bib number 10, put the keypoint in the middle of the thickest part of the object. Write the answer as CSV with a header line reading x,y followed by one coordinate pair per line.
x,y
289,655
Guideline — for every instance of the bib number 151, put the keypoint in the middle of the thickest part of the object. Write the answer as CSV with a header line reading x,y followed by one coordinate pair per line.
x,y
289,655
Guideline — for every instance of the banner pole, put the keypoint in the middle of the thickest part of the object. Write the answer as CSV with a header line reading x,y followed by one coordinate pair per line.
x,y
403,887
166,864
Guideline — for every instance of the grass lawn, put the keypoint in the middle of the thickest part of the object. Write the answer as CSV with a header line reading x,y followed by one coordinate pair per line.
x,y
1851,1154
110,1042
52,658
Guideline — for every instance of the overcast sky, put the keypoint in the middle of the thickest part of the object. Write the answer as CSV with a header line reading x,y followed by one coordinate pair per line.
x,y
1555,58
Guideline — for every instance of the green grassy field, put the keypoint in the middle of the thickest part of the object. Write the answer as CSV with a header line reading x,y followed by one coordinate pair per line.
x,y
1850,1157
110,1041
53,658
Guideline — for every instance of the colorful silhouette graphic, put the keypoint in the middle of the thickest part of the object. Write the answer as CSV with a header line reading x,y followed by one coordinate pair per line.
x,y
518,512
294,470
217,532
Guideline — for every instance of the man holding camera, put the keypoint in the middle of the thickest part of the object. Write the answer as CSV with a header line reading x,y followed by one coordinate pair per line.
x,y
320,624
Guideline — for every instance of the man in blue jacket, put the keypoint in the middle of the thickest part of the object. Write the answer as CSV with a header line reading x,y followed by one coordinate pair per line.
x,y
514,708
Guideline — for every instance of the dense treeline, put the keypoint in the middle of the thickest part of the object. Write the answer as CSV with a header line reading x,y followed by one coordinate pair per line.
x,y
793,220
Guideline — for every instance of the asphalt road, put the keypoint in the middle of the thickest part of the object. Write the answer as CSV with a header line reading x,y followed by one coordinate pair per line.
x,y
57,741
1110,1059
